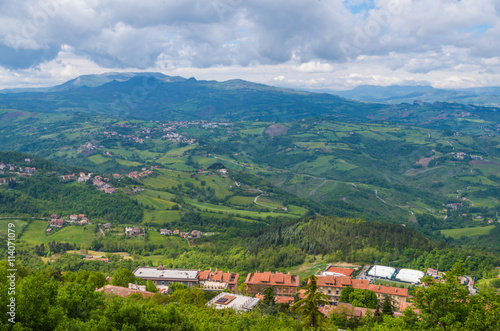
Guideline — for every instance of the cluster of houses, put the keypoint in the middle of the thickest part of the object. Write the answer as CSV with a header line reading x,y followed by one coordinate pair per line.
x,y
187,235
167,131
137,174
11,168
286,287
135,231
99,182
57,221
462,155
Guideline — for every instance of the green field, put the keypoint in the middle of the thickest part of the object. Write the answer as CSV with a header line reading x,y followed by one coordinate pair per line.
x,y
35,233
98,159
468,232
180,151
392,283
128,163
229,210
241,201
155,202
18,225
270,202
162,180
161,217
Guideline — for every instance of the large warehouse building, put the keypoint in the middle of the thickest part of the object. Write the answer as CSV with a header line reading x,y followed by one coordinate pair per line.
x,y
380,271
409,276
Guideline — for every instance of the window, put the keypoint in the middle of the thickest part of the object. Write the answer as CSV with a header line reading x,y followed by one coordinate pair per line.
x,y
337,292
291,290
329,291
284,290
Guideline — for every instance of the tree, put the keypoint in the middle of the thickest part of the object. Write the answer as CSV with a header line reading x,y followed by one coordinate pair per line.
x,y
346,293
123,277
151,287
308,306
443,304
269,296
387,308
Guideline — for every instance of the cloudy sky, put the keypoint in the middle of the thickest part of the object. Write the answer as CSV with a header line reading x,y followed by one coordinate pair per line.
x,y
315,44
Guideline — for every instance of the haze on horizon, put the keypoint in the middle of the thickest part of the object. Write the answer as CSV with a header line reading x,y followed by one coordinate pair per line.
x,y
314,44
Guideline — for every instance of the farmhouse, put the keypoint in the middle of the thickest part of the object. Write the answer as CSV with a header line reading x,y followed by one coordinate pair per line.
x,y
135,231
57,223
283,284
165,232
161,276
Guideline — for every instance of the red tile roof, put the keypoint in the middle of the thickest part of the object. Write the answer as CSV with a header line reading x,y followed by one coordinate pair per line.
x,y
123,291
342,281
219,276
277,299
346,309
389,290
268,278
344,271
362,284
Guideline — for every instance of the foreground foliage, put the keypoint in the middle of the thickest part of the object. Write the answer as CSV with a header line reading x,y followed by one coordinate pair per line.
x,y
47,300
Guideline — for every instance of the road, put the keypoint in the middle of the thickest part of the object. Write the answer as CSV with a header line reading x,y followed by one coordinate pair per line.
x,y
313,192
102,232
255,201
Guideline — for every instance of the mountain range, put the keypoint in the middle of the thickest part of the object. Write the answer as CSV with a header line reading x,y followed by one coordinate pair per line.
x,y
394,94
155,96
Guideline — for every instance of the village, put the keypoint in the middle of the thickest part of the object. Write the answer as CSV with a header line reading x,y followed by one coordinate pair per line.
x,y
165,130
286,287
11,169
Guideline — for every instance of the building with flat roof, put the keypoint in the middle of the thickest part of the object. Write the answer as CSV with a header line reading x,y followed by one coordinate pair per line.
x,y
409,276
283,284
234,301
380,271
161,276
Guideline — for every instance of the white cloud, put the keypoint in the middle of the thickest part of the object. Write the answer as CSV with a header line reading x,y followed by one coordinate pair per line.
x,y
305,42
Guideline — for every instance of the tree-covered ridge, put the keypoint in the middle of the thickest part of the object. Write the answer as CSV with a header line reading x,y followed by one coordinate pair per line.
x,y
356,240
324,235
74,198
45,193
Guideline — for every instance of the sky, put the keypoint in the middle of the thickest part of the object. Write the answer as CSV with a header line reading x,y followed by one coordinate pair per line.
x,y
303,44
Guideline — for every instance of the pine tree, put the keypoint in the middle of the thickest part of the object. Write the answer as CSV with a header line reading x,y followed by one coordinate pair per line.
x,y
308,306
387,308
